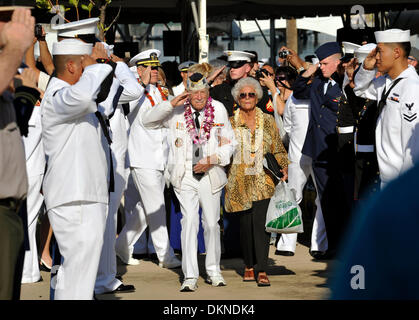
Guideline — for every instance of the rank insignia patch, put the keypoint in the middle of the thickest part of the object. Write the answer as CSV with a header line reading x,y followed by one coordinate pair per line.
x,y
409,105
409,118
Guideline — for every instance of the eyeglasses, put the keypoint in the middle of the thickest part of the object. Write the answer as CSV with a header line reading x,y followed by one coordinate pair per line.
x,y
247,94
281,78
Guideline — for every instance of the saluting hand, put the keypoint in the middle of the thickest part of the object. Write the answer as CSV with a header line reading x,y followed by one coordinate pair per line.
x,y
370,61
115,58
310,70
87,60
179,100
146,76
99,51
215,74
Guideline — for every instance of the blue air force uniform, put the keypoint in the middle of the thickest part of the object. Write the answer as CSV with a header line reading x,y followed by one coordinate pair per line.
x,y
321,144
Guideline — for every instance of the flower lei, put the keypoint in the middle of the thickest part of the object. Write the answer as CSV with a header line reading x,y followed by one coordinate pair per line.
x,y
245,136
204,132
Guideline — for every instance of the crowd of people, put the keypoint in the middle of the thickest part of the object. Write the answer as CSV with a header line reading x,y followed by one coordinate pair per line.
x,y
82,129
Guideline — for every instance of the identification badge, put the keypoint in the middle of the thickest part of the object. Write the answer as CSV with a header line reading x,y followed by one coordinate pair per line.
x,y
178,142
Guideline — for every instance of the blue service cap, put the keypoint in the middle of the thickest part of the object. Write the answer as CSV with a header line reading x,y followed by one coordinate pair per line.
x,y
327,49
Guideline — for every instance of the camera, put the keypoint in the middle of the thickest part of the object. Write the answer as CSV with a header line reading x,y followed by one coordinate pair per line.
x,y
38,31
283,54
259,73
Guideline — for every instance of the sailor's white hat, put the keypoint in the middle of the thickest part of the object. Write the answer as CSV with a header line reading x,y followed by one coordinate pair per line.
x,y
77,28
71,47
392,35
147,58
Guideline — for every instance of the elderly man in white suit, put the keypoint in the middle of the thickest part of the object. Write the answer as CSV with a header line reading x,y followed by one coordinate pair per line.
x,y
201,142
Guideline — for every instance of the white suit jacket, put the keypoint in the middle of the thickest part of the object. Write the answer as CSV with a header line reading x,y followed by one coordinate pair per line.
x,y
173,119
147,148
77,167
397,131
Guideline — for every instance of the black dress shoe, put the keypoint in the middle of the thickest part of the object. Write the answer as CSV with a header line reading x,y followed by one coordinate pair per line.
x,y
318,255
140,256
153,256
123,289
284,253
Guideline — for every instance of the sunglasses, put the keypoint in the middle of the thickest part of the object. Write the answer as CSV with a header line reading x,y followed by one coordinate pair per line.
x,y
247,94
281,78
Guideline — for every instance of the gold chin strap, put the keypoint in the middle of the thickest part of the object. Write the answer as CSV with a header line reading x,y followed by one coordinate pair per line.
x,y
151,63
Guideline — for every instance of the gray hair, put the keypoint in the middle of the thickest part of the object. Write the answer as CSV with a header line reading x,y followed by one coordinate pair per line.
x,y
246,82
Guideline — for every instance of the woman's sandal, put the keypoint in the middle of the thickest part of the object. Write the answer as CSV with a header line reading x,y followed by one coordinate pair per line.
x,y
263,280
249,275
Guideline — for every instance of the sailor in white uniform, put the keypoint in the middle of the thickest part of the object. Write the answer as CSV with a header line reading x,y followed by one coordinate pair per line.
x,y
127,90
35,167
296,118
75,185
148,152
397,93
197,183
183,69
123,90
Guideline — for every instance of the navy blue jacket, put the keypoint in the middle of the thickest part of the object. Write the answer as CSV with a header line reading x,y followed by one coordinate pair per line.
x,y
321,139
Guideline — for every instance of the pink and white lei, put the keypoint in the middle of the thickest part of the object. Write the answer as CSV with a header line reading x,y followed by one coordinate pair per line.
x,y
204,133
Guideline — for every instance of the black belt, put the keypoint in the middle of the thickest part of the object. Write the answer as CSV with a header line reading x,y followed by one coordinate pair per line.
x,y
11,203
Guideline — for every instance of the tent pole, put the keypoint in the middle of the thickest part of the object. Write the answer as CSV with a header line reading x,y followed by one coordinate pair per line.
x,y
273,41
203,37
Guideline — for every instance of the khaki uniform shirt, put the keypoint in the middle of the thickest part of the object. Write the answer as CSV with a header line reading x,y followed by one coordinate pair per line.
x,y
13,179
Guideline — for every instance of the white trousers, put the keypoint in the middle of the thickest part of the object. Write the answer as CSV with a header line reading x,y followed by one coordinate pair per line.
x,y
106,281
191,196
78,228
132,206
34,202
151,212
298,173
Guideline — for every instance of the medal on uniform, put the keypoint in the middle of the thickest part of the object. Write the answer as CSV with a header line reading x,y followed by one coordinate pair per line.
x,y
178,142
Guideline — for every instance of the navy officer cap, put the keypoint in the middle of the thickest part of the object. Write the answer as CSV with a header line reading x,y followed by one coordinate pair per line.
x,y
327,49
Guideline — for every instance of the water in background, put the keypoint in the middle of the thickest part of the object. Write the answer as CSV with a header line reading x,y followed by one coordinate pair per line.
x,y
306,45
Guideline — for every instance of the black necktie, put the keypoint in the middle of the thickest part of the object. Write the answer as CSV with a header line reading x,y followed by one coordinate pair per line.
x,y
198,126
384,97
197,149
329,85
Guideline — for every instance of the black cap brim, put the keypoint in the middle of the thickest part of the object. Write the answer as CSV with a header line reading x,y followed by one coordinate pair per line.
x,y
237,64
347,57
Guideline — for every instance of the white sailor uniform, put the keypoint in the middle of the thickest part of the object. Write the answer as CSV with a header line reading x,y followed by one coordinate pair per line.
x,y
296,118
147,152
106,281
75,184
35,167
396,134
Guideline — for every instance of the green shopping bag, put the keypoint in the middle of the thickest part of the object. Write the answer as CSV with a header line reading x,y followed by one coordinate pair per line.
x,y
284,214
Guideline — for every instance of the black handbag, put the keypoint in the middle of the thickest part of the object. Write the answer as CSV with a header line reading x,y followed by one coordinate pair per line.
x,y
273,166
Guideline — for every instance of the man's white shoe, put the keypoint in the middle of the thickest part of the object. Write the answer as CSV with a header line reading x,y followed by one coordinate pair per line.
x,y
216,281
172,263
189,285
